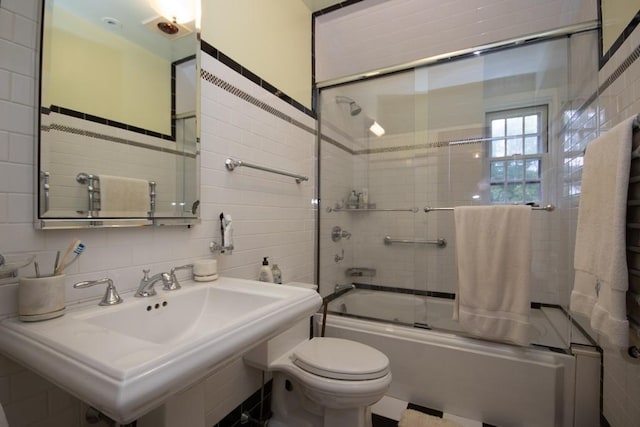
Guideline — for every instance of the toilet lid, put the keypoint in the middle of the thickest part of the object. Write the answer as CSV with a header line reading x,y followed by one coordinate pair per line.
x,y
340,359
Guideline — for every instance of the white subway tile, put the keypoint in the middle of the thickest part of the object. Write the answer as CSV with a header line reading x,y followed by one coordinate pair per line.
x,y
26,8
21,148
6,24
16,58
22,89
5,84
25,31
20,208
4,146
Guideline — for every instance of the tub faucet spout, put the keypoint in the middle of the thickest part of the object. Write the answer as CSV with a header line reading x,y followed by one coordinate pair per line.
x,y
340,288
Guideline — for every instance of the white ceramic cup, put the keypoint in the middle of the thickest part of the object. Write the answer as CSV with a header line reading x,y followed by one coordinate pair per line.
x,y
205,267
41,298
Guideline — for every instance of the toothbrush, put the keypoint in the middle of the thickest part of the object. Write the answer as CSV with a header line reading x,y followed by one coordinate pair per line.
x,y
55,264
78,251
71,248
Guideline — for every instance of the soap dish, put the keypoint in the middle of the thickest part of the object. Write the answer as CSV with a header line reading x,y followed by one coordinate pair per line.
x,y
209,278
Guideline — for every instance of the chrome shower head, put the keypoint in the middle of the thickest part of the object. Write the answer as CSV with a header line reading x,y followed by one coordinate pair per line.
x,y
354,109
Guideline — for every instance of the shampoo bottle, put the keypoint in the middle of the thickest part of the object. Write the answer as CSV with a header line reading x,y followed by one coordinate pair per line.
x,y
265,274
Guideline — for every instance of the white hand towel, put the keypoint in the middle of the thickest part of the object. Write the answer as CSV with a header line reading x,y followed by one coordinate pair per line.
x,y
124,197
601,276
412,418
493,255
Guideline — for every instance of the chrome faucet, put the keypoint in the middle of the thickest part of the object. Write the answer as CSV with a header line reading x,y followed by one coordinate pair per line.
x,y
146,289
175,284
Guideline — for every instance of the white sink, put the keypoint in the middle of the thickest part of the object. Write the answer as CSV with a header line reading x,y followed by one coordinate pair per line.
x,y
127,359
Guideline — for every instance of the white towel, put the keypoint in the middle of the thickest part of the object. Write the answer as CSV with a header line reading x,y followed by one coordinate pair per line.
x,y
493,255
412,418
124,197
601,276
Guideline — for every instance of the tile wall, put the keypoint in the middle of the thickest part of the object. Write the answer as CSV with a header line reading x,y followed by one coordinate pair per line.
x,y
618,97
273,216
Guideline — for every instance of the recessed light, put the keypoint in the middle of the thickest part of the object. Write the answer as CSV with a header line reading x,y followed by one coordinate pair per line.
x,y
112,23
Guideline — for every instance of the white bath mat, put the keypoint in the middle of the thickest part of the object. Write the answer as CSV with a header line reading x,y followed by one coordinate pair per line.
x,y
411,418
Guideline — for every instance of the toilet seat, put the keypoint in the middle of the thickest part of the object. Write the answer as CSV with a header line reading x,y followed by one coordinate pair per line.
x,y
340,359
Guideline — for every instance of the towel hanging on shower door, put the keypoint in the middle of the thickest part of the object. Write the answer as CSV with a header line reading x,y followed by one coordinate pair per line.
x,y
493,256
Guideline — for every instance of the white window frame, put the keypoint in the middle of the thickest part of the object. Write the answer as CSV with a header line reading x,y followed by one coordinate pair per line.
x,y
543,134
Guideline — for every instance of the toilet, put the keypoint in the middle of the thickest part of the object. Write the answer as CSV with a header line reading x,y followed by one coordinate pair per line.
x,y
321,382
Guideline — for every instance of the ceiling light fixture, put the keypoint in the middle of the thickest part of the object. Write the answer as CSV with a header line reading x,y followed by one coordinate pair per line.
x,y
376,129
176,11
168,27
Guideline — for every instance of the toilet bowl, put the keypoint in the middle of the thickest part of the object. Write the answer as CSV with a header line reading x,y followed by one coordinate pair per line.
x,y
321,382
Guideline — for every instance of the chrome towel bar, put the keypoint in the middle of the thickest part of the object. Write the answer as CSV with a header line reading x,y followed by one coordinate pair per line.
x,y
231,164
441,243
547,208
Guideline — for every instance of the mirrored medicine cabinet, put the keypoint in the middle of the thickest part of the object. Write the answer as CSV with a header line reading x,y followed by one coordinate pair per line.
x,y
118,122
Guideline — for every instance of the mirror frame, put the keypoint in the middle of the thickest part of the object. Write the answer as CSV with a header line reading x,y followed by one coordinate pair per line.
x,y
44,223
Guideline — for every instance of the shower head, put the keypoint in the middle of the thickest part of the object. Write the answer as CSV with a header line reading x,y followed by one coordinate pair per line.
x,y
354,109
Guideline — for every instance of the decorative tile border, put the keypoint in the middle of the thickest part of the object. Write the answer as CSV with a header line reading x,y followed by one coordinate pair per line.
x,y
105,137
108,122
233,90
219,56
413,147
222,84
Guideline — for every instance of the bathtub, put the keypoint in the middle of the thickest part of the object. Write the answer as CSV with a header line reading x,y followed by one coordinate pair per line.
x,y
497,383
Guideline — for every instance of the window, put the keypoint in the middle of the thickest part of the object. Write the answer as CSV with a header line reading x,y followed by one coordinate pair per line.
x,y
518,140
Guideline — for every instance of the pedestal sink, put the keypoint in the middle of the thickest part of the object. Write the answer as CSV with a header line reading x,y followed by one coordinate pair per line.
x,y
127,359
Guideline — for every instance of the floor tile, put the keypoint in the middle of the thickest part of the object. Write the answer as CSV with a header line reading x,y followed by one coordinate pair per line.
x,y
389,407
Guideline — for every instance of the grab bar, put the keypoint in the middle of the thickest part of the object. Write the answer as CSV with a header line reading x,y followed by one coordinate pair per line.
x,y
337,209
547,208
231,164
441,243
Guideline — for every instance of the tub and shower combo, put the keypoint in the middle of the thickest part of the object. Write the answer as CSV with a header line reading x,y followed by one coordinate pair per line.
x,y
483,129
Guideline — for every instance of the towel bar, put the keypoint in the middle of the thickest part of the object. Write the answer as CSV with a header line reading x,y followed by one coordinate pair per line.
x,y
547,208
93,187
231,164
441,243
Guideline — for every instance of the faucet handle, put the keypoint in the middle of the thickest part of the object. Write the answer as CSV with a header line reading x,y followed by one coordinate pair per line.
x,y
111,296
174,284
146,274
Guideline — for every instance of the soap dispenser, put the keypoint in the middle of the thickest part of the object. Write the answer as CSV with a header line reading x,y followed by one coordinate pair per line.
x,y
265,275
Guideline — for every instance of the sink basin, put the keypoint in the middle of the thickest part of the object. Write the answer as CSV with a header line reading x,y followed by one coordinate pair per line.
x,y
182,317
127,359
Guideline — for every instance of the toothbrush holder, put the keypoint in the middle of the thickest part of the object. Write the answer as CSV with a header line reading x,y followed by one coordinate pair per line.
x,y
41,298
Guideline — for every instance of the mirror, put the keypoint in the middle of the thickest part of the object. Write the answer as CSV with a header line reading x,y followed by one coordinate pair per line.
x,y
119,101
618,19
